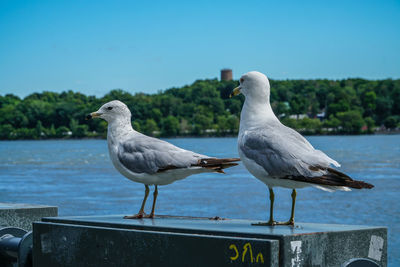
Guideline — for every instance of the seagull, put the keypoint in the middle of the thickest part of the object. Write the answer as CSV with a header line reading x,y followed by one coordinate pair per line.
x,y
278,155
149,160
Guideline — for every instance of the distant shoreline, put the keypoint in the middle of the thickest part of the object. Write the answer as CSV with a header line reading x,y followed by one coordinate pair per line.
x,y
204,109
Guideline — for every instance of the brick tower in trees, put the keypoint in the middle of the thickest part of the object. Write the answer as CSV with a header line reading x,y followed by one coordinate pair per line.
x,y
226,75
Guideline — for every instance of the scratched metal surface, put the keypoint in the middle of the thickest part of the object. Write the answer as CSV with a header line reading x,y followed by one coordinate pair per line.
x,y
306,244
166,222
77,245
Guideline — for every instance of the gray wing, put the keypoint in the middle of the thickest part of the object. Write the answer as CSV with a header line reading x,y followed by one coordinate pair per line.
x,y
143,154
281,151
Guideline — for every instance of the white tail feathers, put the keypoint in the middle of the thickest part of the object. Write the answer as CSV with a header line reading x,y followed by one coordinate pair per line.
x,y
332,188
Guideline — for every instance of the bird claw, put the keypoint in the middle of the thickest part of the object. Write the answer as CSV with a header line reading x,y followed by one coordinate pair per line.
x,y
291,223
137,216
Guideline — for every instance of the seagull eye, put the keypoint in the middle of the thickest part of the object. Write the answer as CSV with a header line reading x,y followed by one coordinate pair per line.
x,y
109,108
241,80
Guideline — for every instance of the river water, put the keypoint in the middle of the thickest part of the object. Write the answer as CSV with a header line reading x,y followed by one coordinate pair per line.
x,y
78,177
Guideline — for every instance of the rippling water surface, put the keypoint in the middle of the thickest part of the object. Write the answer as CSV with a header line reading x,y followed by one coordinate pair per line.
x,y
78,177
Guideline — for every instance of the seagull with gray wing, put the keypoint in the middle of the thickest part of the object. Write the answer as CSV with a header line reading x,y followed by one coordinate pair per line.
x,y
149,160
278,155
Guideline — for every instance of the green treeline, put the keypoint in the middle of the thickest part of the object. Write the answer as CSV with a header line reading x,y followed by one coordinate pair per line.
x,y
351,106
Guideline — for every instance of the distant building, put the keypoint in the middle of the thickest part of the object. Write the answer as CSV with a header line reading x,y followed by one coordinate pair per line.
x,y
226,75
321,115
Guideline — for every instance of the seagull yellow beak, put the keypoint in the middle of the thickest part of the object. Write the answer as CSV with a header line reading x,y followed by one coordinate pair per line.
x,y
93,115
235,91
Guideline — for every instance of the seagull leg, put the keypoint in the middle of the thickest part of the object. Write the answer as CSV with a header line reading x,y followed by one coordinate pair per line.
x,y
291,220
141,211
271,207
155,194
294,194
271,221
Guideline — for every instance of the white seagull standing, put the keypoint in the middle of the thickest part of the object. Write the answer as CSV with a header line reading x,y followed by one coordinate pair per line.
x,y
148,160
278,155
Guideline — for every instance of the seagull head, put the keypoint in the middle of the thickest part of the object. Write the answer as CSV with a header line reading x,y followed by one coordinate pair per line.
x,y
253,85
111,111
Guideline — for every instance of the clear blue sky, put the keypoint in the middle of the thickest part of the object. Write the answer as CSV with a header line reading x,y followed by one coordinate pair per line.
x,y
145,46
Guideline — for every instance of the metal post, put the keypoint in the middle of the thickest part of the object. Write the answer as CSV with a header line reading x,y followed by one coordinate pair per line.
x,y
15,247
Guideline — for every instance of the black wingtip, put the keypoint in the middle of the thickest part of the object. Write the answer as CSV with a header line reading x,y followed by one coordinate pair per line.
x,y
365,185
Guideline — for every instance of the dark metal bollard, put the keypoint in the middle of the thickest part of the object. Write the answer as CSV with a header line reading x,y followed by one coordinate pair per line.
x,y
15,247
360,263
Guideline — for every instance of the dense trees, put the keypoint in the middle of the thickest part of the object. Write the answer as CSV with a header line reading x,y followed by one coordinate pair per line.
x,y
349,106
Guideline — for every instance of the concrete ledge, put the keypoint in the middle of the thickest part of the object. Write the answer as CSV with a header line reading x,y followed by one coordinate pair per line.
x,y
22,215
